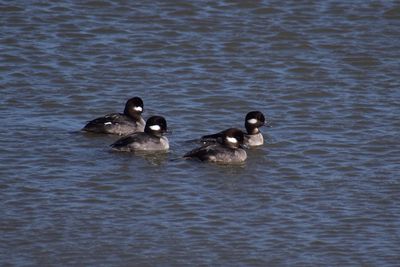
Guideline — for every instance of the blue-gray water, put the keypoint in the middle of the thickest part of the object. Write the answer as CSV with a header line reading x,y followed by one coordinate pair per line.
x,y
323,190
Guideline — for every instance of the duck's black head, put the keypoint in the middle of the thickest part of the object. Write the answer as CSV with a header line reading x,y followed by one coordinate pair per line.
x,y
156,125
134,108
233,138
253,121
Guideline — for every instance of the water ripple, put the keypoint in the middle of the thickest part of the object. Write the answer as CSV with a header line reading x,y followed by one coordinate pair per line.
x,y
323,188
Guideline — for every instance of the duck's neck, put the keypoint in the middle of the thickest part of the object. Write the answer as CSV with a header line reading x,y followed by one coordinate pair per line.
x,y
251,129
136,116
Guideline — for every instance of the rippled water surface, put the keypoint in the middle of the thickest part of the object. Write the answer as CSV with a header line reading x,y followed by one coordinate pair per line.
x,y
323,190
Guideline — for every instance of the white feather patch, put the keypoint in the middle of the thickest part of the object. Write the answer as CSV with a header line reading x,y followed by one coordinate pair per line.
x,y
155,127
252,121
108,123
231,139
138,108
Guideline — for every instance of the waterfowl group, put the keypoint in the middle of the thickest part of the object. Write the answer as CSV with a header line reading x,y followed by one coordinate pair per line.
x,y
227,146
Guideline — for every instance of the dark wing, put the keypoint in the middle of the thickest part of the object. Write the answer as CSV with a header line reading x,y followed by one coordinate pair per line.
x,y
203,153
103,123
213,137
126,140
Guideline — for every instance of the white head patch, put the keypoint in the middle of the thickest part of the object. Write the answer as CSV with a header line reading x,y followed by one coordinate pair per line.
x,y
108,123
155,127
252,121
231,139
138,108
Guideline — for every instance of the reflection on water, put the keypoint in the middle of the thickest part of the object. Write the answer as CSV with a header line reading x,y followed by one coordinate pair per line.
x,y
156,158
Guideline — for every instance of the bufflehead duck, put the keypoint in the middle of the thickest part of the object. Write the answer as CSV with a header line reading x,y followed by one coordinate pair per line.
x,y
227,149
128,122
253,121
151,139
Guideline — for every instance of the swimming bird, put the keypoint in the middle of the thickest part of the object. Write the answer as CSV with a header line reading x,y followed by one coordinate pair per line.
x,y
253,121
120,123
152,139
226,149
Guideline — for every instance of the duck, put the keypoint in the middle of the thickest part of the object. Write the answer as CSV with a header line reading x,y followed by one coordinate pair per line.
x,y
227,149
253,121
151,139
130,121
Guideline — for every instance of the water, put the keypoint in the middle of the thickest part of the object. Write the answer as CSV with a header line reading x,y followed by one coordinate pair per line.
x,y
324,190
